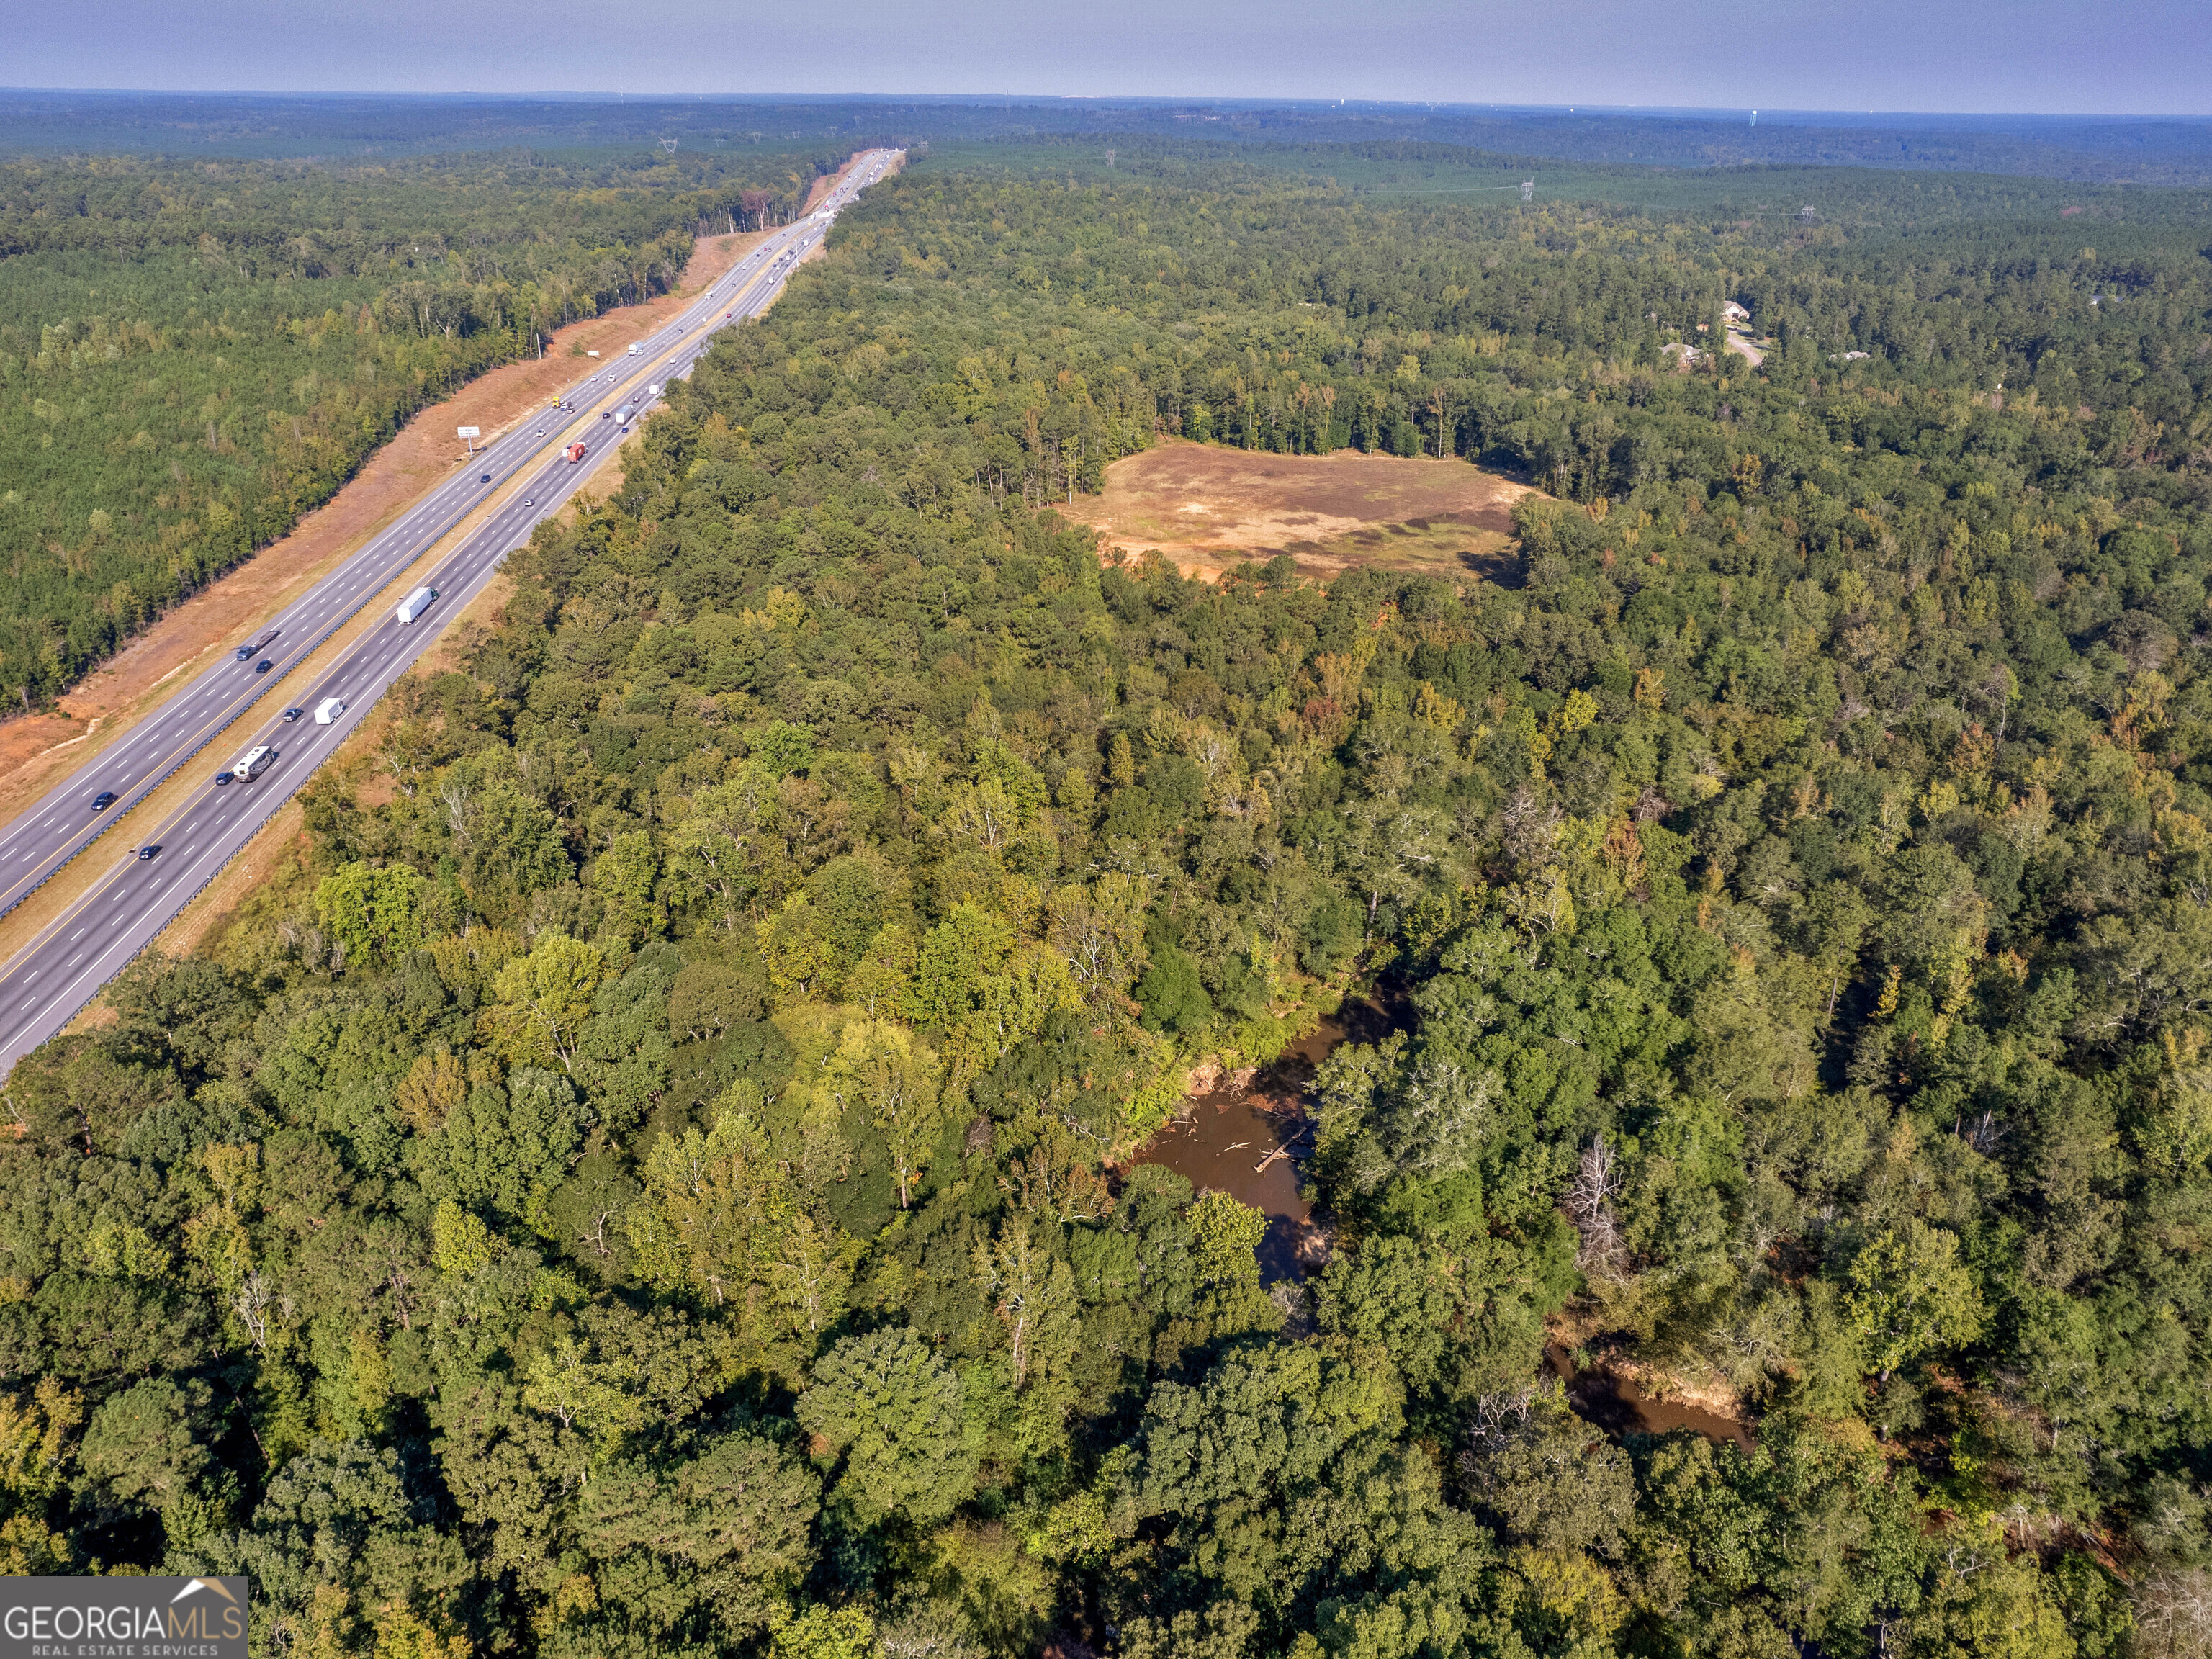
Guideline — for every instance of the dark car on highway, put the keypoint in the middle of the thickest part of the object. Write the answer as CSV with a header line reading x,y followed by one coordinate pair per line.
x,y
245,654
291,715
485,479
103,801
221,778
263,666
147,854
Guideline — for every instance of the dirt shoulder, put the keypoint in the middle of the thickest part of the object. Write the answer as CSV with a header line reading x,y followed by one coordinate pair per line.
x,y
36,750
1209,508
394,477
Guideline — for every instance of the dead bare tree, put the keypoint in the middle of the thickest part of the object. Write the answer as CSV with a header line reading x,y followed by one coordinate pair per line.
x,y
254,1301
2174,1613
1590,1205
1497,1419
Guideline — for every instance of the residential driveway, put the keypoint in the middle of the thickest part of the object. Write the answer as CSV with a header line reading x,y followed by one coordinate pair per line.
x,y
1740,342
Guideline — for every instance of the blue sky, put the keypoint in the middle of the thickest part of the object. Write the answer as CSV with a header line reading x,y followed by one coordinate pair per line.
x,y
2056,56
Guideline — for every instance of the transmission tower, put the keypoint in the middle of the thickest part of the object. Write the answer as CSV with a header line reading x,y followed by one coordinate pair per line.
x,y
1528,190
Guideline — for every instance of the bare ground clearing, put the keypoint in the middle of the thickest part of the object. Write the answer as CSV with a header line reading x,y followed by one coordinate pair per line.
x,y
1209,509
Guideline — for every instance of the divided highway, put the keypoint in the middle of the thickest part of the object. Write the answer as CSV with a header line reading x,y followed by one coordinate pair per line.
x,y
251,687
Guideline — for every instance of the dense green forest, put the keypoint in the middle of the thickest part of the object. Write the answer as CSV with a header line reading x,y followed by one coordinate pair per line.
x,y
192,355
2168,151
652,1176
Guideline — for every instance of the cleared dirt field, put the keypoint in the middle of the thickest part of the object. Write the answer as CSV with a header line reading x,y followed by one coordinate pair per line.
x,y
1209,509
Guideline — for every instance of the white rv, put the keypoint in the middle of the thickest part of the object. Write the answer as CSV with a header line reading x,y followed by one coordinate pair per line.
x,y
253,762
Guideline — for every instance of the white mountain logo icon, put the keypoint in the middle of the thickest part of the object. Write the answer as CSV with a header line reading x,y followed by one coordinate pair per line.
x,y
193,1584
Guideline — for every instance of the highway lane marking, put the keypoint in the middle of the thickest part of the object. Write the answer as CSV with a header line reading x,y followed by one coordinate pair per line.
x,y
761,288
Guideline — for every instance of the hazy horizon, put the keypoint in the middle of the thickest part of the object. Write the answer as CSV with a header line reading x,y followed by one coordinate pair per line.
x,y
1778,114
2032,57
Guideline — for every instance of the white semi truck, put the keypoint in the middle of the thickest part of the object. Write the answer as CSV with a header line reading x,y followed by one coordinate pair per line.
x,y
416,604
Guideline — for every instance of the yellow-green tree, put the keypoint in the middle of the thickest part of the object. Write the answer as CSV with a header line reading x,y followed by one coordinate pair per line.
x,y
371,911
713,1214
1910,1294
893,1075
543,1000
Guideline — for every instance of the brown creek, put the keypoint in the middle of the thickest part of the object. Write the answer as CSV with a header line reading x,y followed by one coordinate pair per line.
x,y
1228,1136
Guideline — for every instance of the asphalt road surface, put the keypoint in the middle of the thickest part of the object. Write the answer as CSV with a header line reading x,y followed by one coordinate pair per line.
x,y
45,985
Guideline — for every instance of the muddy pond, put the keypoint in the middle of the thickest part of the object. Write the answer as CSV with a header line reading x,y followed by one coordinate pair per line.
x,y
1253,1142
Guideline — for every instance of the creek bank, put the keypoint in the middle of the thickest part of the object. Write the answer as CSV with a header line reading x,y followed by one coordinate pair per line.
x,y
1615,1403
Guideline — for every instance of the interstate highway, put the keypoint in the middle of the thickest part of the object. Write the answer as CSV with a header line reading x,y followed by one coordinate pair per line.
x,y
45,985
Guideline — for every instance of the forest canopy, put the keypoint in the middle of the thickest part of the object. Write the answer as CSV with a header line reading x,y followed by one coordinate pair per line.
x,y
652,1172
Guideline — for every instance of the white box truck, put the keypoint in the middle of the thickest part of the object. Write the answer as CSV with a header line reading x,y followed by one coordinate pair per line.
x,y
416,604
328,709
253,762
